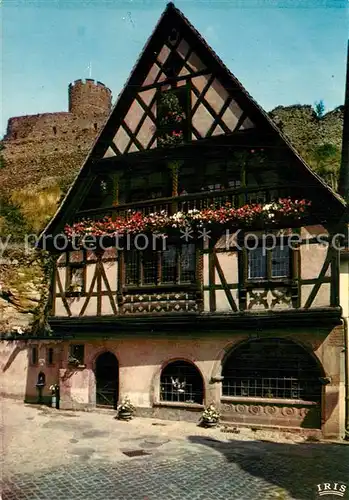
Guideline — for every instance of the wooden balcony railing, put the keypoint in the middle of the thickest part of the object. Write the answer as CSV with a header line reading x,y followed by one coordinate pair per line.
x,y
195,201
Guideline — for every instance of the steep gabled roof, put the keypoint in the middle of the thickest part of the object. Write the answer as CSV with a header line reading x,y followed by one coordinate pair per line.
x,y
173,17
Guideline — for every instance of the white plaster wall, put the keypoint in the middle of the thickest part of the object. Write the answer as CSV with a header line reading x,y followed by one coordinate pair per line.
x,y
322,298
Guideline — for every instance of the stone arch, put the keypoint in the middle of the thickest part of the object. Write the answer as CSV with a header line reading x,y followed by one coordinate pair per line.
x,y
106,372
271,367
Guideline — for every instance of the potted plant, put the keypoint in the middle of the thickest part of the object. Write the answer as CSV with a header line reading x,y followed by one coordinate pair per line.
x,y
72,361
125,409
210,416
54,395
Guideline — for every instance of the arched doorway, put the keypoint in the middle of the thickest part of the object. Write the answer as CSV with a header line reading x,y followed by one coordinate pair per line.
x,y
107,380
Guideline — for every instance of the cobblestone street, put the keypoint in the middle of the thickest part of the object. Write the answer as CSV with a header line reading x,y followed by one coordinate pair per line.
x,y
52,455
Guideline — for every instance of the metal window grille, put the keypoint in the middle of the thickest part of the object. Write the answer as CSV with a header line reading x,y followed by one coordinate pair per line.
x,y
272,369
181,382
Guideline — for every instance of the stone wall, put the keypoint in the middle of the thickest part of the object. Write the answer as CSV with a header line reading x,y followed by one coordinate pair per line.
x,y
54,144
141,361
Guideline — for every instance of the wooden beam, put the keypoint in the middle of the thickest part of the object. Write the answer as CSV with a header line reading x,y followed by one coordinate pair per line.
x,y
211,277
319,282
224,283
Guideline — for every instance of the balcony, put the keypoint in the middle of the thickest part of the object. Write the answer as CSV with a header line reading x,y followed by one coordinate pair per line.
x,y
196,201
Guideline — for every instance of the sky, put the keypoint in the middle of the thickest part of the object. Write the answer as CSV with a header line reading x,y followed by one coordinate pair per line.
x,y
283,51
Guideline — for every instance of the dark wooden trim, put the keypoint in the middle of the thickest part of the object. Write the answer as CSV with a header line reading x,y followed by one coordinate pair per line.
x,y
132,136
53,285
212,277
94,294
99,287
201,100
335,270
231,286
62,293
164,288
186,323
173,80
92,261
319,280
242,270
89,294
109,292
224,283
113,146
220,115
209,82
313,281
120,279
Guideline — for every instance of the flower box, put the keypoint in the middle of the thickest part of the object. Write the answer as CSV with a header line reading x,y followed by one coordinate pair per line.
x,y
194,221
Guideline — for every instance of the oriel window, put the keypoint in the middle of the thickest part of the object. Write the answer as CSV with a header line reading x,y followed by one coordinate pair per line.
x,y
176,264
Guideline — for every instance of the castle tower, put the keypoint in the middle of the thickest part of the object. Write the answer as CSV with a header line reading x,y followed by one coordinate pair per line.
x,y
88,98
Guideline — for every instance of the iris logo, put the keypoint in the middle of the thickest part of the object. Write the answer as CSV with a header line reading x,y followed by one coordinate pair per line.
x,y
337,489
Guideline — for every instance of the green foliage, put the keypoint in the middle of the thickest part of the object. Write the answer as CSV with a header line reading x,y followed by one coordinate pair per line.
x,y
319,108
316,135
171,119
12,221
325,160
2,160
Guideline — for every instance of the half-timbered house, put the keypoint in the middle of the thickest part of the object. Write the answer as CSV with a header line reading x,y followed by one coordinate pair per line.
x,y
195,255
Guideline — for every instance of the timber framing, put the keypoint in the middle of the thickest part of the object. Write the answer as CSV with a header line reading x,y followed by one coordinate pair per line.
x,y
172,20
203,322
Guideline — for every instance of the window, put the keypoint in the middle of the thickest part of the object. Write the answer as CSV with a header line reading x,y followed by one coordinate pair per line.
x,y
34,356
49,356
273,368
143,185
172,116
215,187
77,354
174,265
100,194
76,279
234,183
181,382
269,263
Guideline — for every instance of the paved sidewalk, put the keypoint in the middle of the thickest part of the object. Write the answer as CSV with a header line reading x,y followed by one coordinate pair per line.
x,y
48,454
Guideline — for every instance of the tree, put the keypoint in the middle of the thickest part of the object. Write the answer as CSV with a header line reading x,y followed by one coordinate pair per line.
x,y
325,160
319,108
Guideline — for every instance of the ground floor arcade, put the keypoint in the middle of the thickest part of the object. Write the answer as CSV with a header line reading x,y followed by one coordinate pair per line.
x,y
292,379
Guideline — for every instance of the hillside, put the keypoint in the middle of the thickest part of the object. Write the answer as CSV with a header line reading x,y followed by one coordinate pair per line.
x,y
35,178
316,136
